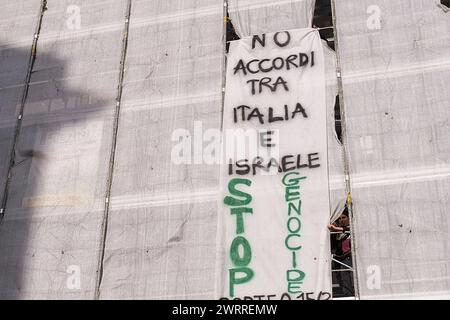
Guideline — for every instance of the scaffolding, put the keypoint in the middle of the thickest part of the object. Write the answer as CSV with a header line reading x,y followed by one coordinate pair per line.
x,y
86,116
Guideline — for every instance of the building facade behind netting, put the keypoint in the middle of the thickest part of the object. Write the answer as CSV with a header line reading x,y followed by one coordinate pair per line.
x,y
91,93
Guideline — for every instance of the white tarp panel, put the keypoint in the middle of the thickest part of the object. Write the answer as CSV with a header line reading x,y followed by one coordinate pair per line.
x,y
395,58
251,17
162,225
51,228
274,178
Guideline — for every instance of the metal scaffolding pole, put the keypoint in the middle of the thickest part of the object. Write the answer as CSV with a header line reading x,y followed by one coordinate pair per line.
x,y
104,227
12,152
345,149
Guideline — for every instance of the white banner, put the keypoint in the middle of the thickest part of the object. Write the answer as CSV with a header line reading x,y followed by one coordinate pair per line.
x,y
275,199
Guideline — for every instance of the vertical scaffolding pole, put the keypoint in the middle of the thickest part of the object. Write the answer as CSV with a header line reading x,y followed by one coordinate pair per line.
x,y
104,227
346,157
224,58
12,152
217,292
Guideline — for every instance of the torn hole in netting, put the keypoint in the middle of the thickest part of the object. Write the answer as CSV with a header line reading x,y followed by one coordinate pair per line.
x,y
231,34
323,20
337,120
